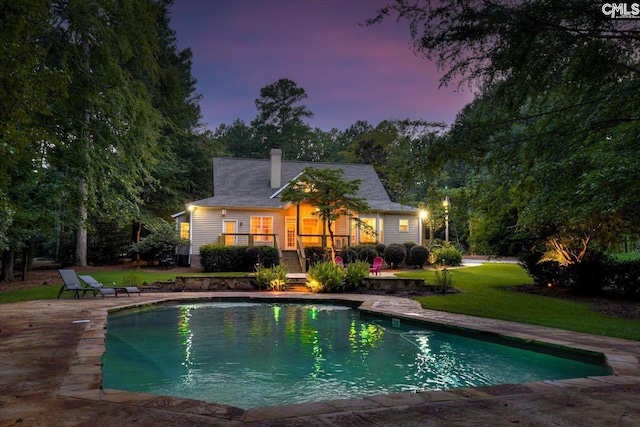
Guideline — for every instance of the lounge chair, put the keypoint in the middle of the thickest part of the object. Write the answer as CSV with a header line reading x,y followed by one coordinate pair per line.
x,y
99,287
377,263
71,283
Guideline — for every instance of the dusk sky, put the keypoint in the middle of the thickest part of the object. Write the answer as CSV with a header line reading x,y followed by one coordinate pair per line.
x,y
350,72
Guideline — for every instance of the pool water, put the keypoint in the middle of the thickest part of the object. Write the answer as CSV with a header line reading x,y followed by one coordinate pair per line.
x,y
264,354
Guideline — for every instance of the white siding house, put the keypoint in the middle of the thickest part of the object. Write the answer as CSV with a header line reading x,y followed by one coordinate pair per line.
x,y
245,209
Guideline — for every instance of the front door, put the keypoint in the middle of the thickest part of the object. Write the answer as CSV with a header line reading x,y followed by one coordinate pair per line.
x,y
230,226
290,230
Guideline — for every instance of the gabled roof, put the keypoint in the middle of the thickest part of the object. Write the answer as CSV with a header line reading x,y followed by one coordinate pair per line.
x,y
244,183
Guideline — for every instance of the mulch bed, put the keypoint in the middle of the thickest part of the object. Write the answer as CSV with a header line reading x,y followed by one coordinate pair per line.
x,y
613,307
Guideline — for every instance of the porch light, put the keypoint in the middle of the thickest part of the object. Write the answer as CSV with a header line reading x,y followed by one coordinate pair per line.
x,y
191,208
446,204
423,215
224,212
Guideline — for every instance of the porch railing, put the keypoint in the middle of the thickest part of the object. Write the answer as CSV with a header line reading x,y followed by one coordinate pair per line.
x,y
339,240
248,239
302,240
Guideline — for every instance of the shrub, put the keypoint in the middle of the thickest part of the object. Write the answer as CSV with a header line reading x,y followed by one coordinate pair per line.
x,y
132,278
252,257
224,258
625,277
543,273
446,255
325,277
408,246
367,254
269,256
418,256
588,277
274,279
316,254
162,237
215,258
355,274
444,280
394,255
380,247
348,255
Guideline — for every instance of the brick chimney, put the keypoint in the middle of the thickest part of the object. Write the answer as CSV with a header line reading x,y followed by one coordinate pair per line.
x,y
276,168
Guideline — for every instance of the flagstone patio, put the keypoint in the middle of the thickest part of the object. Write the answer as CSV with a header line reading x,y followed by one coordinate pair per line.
x,y
50,375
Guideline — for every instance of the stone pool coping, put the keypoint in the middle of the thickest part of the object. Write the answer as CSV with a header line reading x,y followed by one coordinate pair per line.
x,y
84,377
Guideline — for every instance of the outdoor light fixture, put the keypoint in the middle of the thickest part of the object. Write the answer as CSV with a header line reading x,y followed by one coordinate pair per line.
x,y
446,204
424,216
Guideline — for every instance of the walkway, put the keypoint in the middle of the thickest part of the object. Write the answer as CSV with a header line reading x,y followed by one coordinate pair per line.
x,y
50,375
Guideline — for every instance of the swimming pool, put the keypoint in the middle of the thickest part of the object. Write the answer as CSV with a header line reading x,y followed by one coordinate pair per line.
x,y
263,354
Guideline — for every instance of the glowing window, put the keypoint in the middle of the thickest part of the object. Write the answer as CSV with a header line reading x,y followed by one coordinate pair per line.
x,y
404,225
261,226
366,236
184,230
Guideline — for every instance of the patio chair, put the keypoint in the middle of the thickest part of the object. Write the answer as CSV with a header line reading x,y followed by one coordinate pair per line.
x,y
377,263
71,279
71,283
99,287
339,261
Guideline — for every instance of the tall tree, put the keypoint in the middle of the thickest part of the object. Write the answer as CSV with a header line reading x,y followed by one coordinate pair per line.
x,y
27,90
280,117
556,129
330,194
238,140
106,125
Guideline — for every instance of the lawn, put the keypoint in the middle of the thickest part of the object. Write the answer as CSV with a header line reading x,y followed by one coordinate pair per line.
x,y
108,278
483,295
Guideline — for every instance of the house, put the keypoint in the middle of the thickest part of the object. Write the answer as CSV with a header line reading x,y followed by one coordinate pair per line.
x,y
245,209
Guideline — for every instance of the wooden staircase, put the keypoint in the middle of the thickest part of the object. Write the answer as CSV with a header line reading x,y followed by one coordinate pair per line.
x,y
297,278
290,260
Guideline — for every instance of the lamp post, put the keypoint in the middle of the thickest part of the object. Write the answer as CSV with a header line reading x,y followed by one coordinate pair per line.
x,y
424,216
446,203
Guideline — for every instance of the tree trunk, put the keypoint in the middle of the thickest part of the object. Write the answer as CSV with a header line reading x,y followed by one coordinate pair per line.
x,y
25,262
8,262
81,232
333,251
136,229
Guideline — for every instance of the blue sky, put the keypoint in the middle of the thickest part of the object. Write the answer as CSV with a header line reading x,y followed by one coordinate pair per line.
x,y
350,72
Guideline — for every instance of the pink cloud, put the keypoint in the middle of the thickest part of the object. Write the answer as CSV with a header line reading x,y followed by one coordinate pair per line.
x,y
350,72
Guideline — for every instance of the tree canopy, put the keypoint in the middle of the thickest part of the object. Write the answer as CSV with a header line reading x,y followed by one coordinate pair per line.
x,y
551,141
280,117
97,110
331,195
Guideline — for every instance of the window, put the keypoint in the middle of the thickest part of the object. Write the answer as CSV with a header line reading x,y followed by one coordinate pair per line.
x,y
366,236
184,230
260,227
311,227
404,226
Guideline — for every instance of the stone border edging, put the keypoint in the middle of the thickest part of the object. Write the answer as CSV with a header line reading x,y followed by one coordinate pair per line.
x,y
84,377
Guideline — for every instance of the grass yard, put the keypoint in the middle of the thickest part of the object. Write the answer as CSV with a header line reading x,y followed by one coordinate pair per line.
x,y
108,278
481,296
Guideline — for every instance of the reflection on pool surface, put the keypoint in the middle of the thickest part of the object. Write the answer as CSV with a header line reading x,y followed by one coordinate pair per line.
x,y
264,354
